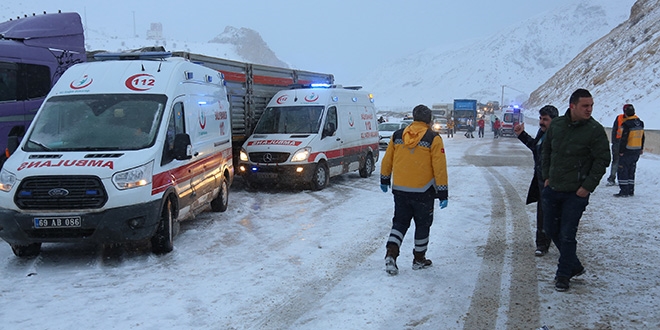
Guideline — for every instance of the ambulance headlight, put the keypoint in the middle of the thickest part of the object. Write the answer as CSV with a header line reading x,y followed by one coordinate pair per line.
x,y
243,156
7,180
135,177
301,155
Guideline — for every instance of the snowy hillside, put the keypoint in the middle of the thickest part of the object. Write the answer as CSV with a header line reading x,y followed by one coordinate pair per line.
x,y
621,67
522,58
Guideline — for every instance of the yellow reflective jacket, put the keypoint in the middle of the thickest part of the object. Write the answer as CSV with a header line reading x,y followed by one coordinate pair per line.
x,y
415,161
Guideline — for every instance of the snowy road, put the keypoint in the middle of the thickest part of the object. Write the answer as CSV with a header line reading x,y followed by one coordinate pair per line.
x,y
314,260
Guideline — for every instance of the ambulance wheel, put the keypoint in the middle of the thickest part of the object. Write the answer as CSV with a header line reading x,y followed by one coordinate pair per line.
x,y
368,167
26,251
163,241
219,204
321,178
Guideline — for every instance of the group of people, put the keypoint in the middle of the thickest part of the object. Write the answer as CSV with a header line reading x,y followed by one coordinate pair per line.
x,y
571,154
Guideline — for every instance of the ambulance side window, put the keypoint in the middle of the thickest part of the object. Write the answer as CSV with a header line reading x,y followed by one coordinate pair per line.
x,y
176,125
330,126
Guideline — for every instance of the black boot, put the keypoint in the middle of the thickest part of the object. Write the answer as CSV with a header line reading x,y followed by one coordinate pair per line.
x,y
420,261
390,259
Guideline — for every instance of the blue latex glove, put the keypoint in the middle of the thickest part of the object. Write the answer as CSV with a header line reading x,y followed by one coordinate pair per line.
x,y
384,187
443,203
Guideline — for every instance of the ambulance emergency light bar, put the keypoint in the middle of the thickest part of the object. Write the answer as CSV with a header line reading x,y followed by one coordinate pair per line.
x,y
322,85
133,56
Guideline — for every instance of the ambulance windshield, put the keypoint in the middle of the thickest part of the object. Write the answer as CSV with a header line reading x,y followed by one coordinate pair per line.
x,y
97,122
290,120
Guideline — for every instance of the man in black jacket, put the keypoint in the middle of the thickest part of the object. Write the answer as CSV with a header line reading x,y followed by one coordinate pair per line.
x,y
576,154
546,114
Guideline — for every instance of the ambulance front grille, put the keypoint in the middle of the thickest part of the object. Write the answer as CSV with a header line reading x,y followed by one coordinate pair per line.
x,y
269,157
60,193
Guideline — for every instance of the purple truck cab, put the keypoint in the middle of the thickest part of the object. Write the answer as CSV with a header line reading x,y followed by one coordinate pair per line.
x,y
34,52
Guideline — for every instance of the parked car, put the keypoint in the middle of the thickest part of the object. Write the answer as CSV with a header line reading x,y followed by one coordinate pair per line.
x,y
385,131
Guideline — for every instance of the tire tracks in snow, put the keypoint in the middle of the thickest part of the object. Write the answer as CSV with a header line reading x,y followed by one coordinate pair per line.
x,y
507,287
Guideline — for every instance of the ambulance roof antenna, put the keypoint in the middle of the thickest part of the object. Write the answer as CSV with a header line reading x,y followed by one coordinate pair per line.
x,y
159,65
142,67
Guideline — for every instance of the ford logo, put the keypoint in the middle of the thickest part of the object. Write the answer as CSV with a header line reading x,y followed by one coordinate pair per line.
x,y
58,192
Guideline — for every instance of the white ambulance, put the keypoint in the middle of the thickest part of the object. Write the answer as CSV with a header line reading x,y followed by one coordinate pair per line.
x,y
308,135
121,150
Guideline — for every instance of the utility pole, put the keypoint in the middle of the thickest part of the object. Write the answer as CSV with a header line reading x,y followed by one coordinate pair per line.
x,y
502,100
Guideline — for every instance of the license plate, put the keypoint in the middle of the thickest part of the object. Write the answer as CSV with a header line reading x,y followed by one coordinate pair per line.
x,y
266,175
57,222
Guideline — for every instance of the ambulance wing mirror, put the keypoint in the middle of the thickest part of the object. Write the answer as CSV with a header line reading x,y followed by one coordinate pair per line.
x,y
329,130
182,147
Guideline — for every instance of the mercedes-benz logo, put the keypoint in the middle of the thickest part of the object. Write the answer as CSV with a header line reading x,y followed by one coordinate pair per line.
x,y
58,192
268,157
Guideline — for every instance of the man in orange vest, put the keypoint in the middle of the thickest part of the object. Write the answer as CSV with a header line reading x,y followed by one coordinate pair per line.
x,y
615,138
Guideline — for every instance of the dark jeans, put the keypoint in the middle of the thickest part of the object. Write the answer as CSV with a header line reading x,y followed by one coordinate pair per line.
x,y
561,216
481,132
406,207
542,240
615,163
626,172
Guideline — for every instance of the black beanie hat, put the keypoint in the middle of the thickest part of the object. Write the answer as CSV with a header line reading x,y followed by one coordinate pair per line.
x,y
422,113
629,110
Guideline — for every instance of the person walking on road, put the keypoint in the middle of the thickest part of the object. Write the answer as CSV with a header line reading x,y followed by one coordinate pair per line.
x,y
470,128
615,137
575,157
546,114
416,158
450,128
481,123
496,128
631,147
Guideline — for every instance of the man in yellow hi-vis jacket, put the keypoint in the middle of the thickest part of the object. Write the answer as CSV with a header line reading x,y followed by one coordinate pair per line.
x,y
631,147
415,166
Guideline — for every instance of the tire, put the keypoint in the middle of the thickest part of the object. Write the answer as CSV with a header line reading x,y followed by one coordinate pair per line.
x,y
26,251
219,204
163,240
321,177
368,167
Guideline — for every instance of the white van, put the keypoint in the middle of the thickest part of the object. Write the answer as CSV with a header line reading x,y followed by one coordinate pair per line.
x,y
121,150
308,135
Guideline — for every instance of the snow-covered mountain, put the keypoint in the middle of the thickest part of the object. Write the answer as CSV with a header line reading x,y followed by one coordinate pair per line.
x,y
521,58
621,67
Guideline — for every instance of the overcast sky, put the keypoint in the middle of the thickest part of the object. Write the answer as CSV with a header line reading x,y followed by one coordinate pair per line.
x,y
346,38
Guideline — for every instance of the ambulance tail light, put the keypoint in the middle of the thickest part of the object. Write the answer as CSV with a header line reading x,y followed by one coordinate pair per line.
x,y
136,177
301,155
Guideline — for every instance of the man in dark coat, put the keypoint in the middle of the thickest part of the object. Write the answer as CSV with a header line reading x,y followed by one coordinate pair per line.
x,y
576,154
546,114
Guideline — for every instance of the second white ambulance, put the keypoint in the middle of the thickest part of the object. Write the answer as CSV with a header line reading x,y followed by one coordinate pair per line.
x,y
308,135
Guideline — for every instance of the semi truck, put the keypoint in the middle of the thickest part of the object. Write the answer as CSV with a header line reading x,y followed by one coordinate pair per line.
x,y
465,109
34,52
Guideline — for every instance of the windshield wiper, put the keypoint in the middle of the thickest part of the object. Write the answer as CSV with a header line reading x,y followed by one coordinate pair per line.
x,y
43,146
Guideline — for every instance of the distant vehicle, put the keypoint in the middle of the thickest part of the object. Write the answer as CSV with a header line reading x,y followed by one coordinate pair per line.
x,y
385,131
463,110
511,116
439,125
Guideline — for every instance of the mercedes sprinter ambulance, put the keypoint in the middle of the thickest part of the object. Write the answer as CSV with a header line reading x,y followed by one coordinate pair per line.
x,y
308,135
